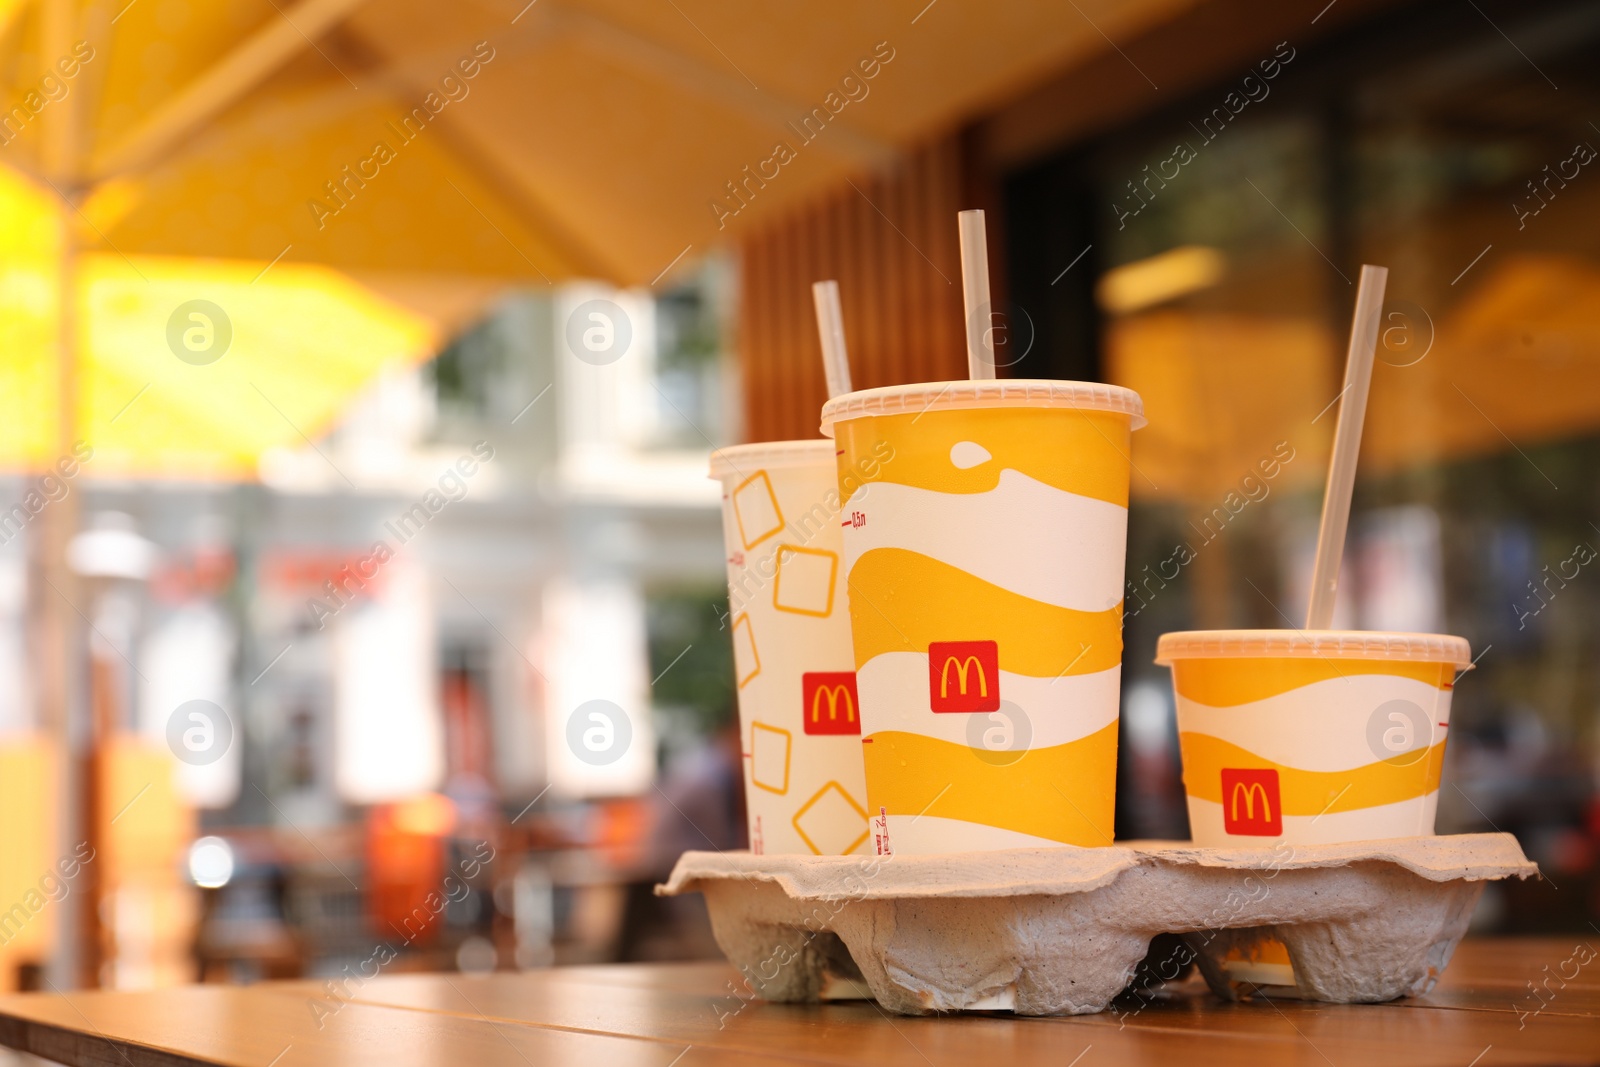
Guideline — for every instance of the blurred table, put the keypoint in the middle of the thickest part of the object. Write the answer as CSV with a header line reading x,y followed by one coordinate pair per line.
x,y
683,1015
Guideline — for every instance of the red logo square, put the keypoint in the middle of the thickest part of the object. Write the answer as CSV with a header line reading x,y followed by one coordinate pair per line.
x,y
1250,803
964,676
828,702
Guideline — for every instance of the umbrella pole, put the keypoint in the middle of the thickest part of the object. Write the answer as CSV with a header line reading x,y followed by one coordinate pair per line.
x,y
57,636
75,961
58,641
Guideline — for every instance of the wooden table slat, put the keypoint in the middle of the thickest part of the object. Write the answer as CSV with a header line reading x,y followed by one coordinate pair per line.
x,y
682,1014
255,1027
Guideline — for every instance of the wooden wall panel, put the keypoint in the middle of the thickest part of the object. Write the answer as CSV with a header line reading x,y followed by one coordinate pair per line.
x,y
890,240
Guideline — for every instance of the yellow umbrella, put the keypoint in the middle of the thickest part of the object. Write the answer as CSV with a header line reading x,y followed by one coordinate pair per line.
x,y
1505,362
501,138
436,154
187,367
302,343
1513,361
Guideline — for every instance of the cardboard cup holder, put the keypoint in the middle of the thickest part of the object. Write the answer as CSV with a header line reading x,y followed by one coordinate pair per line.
x,y
1060,931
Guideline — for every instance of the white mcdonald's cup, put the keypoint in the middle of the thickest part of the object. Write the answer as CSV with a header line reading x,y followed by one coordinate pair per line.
x,y
799,712
985,547
1311,736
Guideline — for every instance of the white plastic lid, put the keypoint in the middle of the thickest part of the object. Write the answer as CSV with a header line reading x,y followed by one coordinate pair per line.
x,y
1004,392
1329,644
744,459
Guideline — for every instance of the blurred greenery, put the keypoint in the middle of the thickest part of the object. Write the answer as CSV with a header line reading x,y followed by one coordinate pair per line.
x,y
691,655
687,329
464,373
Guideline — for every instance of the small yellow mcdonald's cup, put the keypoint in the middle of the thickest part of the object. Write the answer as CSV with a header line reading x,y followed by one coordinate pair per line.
x,y
985,532
1311,737
799,715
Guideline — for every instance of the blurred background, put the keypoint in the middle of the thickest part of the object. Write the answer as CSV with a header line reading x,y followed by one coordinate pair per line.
x,y
359,363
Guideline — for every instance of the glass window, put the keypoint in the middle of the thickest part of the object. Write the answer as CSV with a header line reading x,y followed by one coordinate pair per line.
x,y
1228,233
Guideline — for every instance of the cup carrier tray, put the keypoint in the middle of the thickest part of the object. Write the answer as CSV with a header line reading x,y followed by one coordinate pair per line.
x,y
1060,931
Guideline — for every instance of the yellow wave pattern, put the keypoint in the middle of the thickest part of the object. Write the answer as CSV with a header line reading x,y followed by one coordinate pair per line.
x,y
1226,683
1064,793
901,601
1083,452
1312,792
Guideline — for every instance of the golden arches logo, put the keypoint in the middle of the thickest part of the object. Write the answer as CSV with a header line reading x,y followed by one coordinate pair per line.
x,y
975,666
836,689
834,694
1250,792
1258,787
962,666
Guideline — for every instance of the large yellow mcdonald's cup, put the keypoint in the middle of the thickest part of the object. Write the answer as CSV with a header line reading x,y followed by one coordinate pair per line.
x,y
985,533
1311,737
799,712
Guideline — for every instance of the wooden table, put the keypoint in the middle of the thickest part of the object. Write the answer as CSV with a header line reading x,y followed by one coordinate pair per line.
x,y
682,1015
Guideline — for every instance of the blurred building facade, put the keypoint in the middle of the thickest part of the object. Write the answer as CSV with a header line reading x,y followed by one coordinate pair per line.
x,y
416,605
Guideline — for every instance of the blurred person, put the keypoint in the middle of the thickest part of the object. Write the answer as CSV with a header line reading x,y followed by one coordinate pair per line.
x,y
699,805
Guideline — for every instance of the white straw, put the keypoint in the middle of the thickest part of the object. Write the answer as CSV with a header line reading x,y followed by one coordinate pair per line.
x,y
1346,446
830,326
975,292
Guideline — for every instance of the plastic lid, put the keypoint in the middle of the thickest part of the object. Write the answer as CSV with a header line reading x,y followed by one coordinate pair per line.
x,y
1331,644
1004,392
747,459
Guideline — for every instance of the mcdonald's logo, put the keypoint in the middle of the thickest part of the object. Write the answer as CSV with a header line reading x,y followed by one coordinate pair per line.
x,y
1250,803
964,676
829,703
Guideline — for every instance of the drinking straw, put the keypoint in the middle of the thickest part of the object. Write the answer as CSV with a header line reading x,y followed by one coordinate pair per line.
x,y
1346,446
975,293
830,325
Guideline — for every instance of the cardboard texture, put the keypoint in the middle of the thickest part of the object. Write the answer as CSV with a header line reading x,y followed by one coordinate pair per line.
x,y
1059,931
